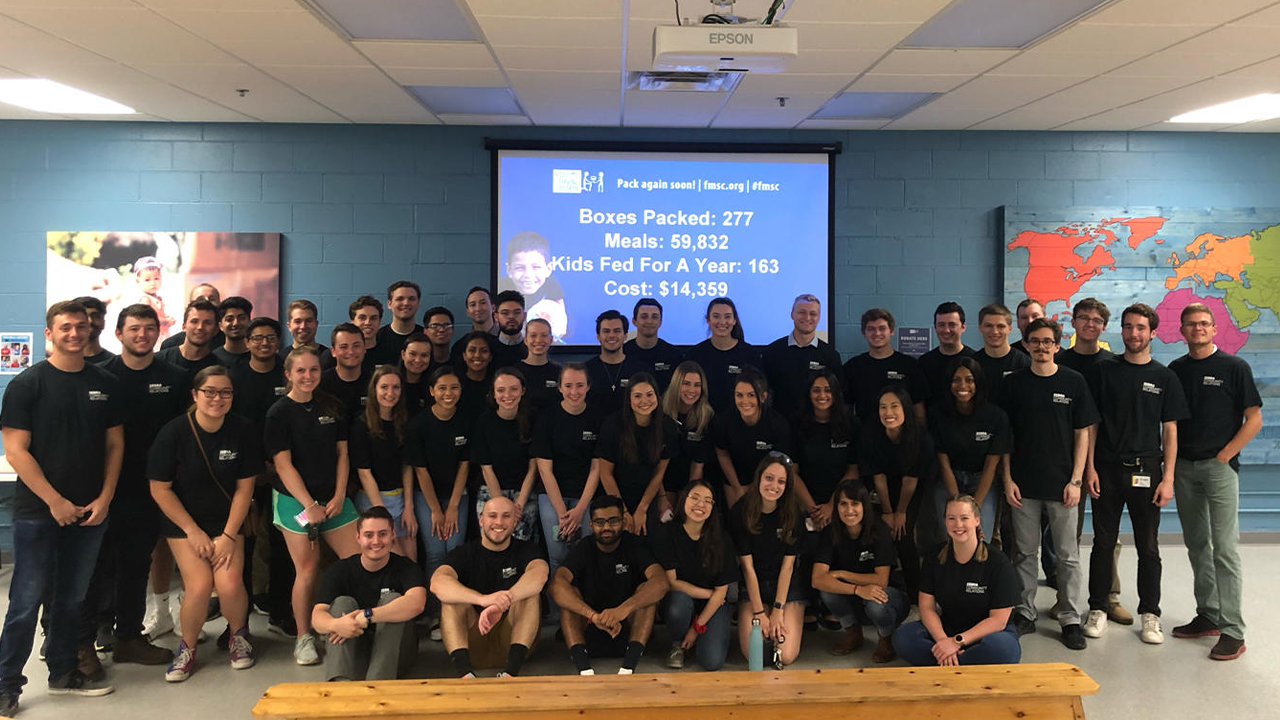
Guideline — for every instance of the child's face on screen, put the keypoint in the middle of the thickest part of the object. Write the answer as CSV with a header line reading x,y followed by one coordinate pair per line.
x,y
149,280
528,270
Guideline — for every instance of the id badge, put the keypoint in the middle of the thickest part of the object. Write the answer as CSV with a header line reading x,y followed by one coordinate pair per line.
x,y
1141,481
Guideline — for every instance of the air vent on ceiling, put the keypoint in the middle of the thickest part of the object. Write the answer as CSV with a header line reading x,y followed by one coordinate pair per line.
x,y
683,81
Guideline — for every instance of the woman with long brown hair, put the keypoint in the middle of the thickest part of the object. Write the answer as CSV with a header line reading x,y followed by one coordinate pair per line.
x,y
700,568
377,453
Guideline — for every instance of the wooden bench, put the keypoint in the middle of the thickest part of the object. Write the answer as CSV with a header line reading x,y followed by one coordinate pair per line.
x,y
996,692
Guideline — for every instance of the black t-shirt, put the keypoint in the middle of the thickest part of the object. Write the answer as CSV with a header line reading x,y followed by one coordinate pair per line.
x,y
823,459
497,442
67,414
1218,389
1082,364
967,440
101,358
748,444
487,571
505,355
609,382
967,593
859,556
1044,413
417,396
474,400
569,442
633,476
788,368
541,384
148,399
607,579
997,369
351,395
311,433
180,337
348,577
722,368
768,547
229,359
677,551
865,377
174,357
233,453
934,365
256,391
660,361
1133,400
389,344
384,456
438,445
693,447
878,455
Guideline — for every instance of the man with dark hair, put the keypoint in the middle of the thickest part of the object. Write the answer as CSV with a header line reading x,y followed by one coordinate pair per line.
x,y
437,325
403,297
609,373
303,320
658,356
93,351
234,313
1131,462
365,312
489,591
1226,413
1050,412
61,429
479,306
997,358
949,326
203,291
348,379
866,375
1029,309
366,604
195,353
608,590
508,314
788,361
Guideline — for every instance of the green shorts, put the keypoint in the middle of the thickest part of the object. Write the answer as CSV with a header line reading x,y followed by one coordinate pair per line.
x,y
285,507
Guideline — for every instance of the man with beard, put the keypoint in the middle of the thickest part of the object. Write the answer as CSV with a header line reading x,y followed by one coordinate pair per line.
x,y
234,323
93,351
608,590
195,353
63,435
609,373
367,602
403,297
489,590
509,315
658,356
347,380
1131,462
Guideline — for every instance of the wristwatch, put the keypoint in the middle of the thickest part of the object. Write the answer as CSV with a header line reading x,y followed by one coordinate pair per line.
x,y
1075,482
777,605
368,615
959,639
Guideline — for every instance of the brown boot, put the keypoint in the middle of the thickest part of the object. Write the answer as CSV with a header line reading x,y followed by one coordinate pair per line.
x,y
87,662
884,651
138,650
850,641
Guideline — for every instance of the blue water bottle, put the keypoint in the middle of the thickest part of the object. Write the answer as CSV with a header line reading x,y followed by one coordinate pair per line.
x,y
755,653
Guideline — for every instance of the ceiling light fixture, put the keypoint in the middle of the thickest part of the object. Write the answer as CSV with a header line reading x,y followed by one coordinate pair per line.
x,y
52,97
1249,109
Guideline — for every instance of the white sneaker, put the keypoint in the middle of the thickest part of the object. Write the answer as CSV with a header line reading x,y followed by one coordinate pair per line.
x,y
304,650
158,619
1095,624
1151,633
913,615
625,671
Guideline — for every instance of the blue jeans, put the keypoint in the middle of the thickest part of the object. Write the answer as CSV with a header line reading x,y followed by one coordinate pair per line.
x,y
436,548
557,548
850,609
711,647
914,644
54,562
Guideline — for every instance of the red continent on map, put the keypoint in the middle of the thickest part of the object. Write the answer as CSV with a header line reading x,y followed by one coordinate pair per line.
x,y
1139,228
1229,338
1055,271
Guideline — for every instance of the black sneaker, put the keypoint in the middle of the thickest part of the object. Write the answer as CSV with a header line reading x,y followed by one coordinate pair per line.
x,y
1073,637
213,610
8,704
1024,625
1200,626
75,683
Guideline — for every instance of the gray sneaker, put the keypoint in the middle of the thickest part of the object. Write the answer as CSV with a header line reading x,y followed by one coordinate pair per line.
x,y
675,658
76,683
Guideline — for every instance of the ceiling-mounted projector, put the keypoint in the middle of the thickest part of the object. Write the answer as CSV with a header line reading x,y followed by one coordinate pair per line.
x,y
724,48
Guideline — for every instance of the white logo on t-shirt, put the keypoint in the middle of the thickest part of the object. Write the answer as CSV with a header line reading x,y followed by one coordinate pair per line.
x,y
326,419
550,383
1211,381
735,370
981,436
281,391
459,440
1152,388
508,572
815,365
866,556
227,455
588,436
158,389
975,589
661,366
1061,399
621,569
97,395
894,375
762,445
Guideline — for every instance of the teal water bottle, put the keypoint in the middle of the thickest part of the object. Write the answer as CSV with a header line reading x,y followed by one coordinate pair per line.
x,y
755,653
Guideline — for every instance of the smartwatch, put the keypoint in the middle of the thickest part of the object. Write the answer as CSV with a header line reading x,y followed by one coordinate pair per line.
x,y
959,639
368,615
777,605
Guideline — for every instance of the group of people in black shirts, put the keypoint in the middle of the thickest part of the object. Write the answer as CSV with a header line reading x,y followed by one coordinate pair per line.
x,y
692,484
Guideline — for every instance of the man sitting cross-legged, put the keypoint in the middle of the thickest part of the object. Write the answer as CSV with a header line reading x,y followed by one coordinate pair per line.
x,y
488,590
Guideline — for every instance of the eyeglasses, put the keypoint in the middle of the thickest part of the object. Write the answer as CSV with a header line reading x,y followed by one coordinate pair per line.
x,y
439,326
1039,342
211,393
696,500
606,522
259,339
1087,320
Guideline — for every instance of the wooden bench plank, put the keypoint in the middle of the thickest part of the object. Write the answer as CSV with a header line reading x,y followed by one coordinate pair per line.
x,y
1016,688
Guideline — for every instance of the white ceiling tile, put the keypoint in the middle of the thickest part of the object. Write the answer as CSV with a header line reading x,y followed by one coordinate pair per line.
x,y
1141,39
1171,63
875,82
537,81
1265,69
831,124
442,55
792,83
1175,12
358,94
462,119
572,108
848,62
847,36
670,109
1269,17
126,35
222,5
552,32
762,110
941,62
268,99
867,11
548,8
447,78
1042,62
1242,39
272,38
569,58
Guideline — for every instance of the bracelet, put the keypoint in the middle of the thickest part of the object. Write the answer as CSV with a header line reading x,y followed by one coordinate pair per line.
x,y
758,612
314,503
699,628
227,537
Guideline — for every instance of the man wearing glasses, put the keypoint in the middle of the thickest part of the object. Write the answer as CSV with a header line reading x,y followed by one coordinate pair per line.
x,y
1050,411
438,322
608,590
